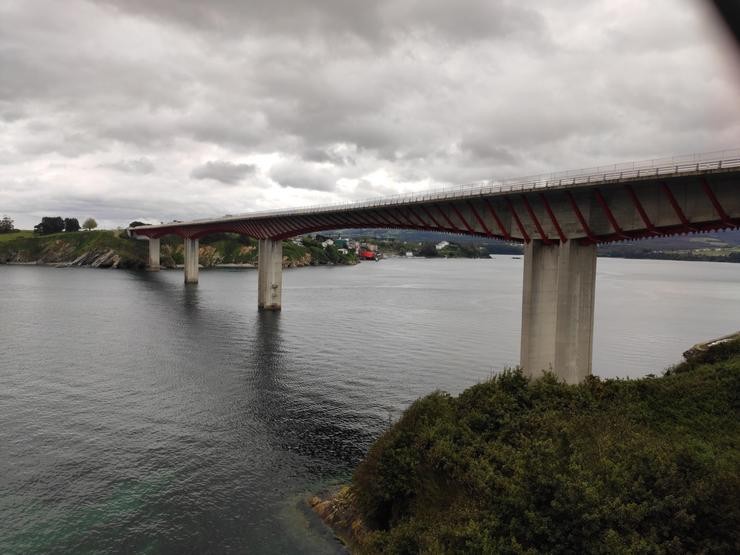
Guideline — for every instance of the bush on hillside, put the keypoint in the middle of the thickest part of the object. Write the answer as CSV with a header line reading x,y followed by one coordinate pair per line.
x,y
608,466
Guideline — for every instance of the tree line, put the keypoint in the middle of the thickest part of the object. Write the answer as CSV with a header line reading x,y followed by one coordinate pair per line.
x,y
57,224
50,224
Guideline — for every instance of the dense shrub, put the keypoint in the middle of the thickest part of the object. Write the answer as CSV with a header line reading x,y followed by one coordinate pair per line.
x,y
513,466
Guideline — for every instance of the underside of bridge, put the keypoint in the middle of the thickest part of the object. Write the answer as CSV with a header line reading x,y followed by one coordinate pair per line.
x,y
560,224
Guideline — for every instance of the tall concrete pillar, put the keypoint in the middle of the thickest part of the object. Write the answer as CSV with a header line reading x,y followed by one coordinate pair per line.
x,y
153,265
558,309
191,260
270,274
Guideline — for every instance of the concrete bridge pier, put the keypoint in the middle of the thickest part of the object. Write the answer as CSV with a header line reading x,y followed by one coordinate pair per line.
x,y
191,260
153,265
270,274
558,309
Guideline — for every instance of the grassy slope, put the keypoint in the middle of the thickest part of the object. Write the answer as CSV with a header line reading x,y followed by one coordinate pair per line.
x,y
21,234
509,466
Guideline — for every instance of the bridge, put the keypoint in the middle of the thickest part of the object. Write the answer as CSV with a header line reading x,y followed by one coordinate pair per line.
x,y
560,218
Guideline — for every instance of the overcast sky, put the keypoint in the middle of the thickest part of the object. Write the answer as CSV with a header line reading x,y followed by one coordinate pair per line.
x,y
162,109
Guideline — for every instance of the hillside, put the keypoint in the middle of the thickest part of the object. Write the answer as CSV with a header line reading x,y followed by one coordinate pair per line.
x,y
114,249
518,466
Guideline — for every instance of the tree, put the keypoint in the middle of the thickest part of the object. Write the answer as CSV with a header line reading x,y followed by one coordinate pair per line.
x,y
136,223
89,224
6,225
49,224
428,250
71,224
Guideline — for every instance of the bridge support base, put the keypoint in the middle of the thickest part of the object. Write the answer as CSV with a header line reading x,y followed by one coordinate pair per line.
x,y
558,309
191,260
270,274
153,265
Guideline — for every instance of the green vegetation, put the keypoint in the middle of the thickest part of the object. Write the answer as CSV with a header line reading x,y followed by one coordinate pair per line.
x,y
15,234
326,255
65,247
115,248
518,466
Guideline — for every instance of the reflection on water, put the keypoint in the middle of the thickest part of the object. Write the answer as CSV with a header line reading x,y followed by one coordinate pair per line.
x,y
142,415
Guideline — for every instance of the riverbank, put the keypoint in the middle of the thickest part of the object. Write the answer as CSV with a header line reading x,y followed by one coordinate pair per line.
x,y
114,249
647,465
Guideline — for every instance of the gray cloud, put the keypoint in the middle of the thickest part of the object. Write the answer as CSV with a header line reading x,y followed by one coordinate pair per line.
x,y
340,99
379,21
223,171
302,175
137,166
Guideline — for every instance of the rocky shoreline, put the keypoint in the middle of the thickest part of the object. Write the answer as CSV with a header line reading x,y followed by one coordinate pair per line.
x,y
108,258
336,509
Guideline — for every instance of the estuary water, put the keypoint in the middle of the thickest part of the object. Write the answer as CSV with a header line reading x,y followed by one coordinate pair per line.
x,y
140,415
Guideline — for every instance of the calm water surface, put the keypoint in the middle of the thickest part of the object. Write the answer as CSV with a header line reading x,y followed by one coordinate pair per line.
x,y
141,415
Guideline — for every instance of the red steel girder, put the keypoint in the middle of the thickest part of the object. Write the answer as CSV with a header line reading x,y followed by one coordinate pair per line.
x,y
499,223
676,208
280,225
404,214
370,216
579,216
640,210
431,217
394,218
410,216
413,212
724,218
462,218
337,220
269,227
480,220
317,222
382,217
553,219
519,224
609,215
447,219
545,239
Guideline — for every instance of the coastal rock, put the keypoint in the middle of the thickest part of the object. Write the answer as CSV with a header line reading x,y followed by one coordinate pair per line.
x,y
208,256
338,512
104,260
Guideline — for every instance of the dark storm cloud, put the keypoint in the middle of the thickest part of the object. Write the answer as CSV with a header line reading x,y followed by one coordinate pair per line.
x,y
223,171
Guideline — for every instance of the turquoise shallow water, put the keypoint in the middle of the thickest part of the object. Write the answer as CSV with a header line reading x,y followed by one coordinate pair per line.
x,y
141,415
